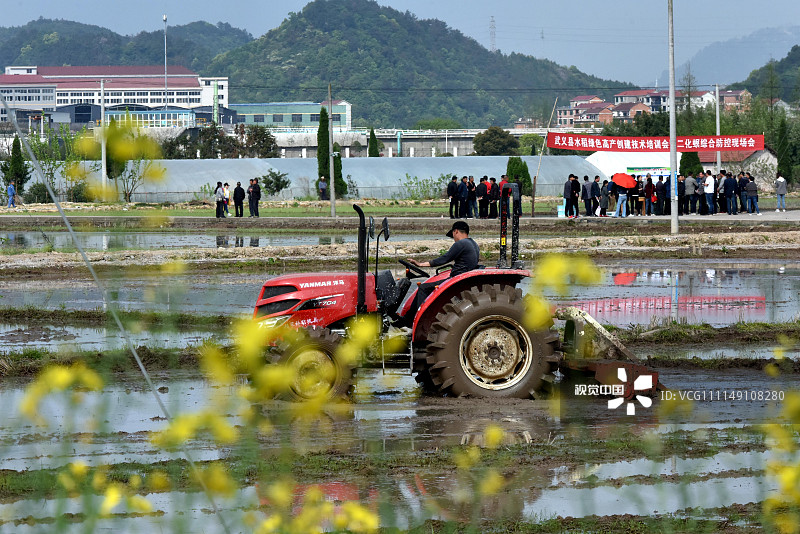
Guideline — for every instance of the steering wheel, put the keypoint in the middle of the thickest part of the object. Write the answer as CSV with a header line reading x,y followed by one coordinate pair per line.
x,y
413,268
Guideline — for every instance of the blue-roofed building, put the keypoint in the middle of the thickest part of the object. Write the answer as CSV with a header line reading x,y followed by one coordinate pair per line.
x,y
294,115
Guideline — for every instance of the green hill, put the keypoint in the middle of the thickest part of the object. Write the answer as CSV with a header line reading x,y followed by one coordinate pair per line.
x,y
63,42
776,79
396,69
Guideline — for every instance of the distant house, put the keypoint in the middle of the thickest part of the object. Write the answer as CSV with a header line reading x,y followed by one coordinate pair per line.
x,y
735,99
762,164
584,99
582,110
631,97
658,101
593,113
628,111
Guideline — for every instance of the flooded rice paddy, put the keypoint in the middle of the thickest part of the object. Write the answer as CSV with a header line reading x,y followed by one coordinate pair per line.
x,y
388,416
693,291
97,240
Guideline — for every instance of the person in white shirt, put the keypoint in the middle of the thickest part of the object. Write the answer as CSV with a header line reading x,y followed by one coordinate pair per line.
x,y
708,189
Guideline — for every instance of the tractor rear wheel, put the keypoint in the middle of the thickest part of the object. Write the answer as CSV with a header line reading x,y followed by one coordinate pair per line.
x,y
479,346
317,371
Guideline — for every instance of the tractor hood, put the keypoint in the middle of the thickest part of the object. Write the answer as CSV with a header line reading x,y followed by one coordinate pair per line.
x,y
313,299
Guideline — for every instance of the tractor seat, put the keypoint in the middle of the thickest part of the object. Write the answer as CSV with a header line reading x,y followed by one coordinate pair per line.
x,y
385,285
388,291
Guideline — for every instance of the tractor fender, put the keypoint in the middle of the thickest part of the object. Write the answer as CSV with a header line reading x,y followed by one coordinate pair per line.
x,y
452,287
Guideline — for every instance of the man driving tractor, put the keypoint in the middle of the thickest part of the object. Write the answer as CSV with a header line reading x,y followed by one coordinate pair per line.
x,y
464,253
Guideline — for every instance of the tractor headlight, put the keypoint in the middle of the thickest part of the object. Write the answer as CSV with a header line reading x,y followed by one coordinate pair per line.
x,y
273,322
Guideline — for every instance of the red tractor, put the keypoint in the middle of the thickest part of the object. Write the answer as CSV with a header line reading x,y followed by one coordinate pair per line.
x,y
467,338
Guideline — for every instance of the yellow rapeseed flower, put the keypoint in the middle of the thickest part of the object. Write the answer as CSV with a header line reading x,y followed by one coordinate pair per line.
x,y
78,469
791,407
467,458
772,370
270,525
281,493
215,365
135,482
493,436
158,481
66,482
87,146
490,483
137,503
218,481
359,518
538,313
112,498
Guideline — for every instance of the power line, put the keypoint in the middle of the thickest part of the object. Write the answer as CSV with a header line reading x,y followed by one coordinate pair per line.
x,y
396,90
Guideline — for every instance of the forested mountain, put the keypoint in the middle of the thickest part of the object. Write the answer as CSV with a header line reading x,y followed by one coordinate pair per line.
x,y
62,42
776,79
396,69
728,61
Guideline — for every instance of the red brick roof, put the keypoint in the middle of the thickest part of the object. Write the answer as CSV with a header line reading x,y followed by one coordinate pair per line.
x,y
726,156
123,83
583,97
24,79
115,70
638,92
592,105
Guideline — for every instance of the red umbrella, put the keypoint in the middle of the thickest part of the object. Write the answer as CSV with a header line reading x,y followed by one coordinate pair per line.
x,y
624,180
624,279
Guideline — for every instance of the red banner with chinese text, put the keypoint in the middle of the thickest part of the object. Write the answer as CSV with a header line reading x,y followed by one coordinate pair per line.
x,y
708,143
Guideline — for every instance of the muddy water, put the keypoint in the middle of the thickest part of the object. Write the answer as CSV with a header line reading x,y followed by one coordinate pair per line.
x,y
717,351
165,240
19,337
694,291
389,415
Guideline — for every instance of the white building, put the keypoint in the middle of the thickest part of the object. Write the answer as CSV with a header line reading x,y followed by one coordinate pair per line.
x,y
44,88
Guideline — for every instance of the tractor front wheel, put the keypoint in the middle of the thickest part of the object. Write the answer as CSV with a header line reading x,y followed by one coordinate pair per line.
x,y
479,346
316,369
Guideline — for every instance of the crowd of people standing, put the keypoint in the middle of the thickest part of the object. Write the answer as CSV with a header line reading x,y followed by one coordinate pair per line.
x,y
223,197
471,201
705,194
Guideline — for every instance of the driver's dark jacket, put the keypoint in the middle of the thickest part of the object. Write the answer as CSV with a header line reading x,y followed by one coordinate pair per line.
x,y
464,254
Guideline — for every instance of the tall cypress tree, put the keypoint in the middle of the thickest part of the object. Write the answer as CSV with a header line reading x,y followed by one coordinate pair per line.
x,y
372,145
517,167
782,150
323,153
690,163
340,186
14,169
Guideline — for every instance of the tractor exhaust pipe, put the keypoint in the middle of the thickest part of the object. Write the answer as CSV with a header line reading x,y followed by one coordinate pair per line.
x,y
361,303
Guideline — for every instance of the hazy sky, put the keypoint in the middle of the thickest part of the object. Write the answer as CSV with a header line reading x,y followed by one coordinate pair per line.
x,y
623,40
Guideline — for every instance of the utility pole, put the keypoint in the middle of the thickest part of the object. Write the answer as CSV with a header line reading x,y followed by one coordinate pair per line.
x,y
165,63
673,129
215,108
103,169
492,36
719,154
331,178
541,153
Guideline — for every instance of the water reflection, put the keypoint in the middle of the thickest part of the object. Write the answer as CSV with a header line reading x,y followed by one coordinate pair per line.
x,y
96,240
704,294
